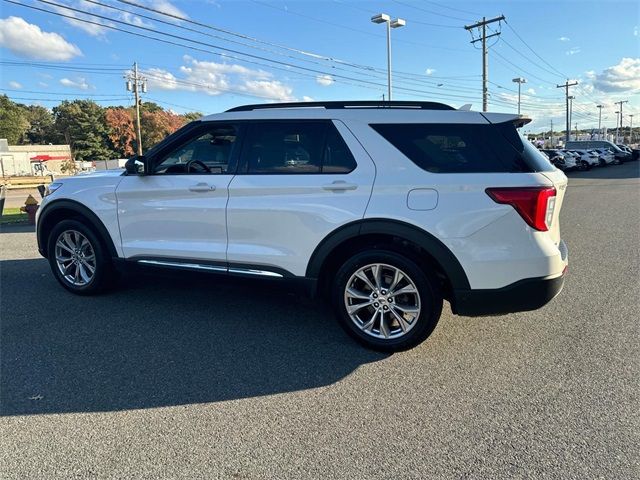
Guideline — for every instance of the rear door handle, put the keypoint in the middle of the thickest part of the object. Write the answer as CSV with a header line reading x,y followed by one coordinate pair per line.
x,y
202,187
340,186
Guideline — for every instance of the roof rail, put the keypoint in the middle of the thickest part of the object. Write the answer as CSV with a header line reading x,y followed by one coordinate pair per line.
x,y
346,104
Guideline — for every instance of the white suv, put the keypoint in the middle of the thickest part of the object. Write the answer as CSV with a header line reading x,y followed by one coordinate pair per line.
x,y
385,208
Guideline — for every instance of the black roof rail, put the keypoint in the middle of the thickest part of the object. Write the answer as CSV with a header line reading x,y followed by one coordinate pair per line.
x,y
346,104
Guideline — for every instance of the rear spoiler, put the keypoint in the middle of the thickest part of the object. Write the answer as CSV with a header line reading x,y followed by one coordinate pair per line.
x,y
517,120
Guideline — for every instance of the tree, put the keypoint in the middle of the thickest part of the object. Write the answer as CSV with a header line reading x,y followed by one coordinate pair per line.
x,y
83,126
121,129
13,120
158,124
191,116
40,131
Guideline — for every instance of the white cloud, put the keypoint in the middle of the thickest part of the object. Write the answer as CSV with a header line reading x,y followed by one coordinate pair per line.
x,y
217,78
306,98
167,7
27,40
324,80
271,89
531,91
564,39
572,51
636,32
43,85
430,71
14,84
79,83
623,77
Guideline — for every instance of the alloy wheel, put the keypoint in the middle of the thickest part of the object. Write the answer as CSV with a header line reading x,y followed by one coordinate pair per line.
x,y
382,301
75,258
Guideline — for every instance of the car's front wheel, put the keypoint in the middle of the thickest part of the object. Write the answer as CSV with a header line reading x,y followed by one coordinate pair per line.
x,y
386,301
78,259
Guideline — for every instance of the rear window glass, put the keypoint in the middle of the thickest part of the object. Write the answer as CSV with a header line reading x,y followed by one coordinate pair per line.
x,y
464,148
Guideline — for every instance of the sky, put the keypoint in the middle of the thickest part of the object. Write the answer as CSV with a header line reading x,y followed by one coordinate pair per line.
x,y
211,55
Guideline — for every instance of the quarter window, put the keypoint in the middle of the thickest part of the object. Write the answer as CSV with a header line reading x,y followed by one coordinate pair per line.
x,y
455,148
208,153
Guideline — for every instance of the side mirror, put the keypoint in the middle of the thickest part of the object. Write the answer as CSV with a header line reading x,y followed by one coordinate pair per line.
x,y
137,165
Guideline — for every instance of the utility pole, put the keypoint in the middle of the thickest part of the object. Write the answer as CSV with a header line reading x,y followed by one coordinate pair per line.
x,y
137,83
571,97
566,86
483,23
621,102
576,137
552,133
600,107
631,129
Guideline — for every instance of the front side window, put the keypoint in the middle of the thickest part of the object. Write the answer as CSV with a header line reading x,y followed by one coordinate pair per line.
x,y
296,148
208,153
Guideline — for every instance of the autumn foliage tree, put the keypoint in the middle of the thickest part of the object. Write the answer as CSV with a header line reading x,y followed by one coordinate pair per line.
x,y
156,125
122,133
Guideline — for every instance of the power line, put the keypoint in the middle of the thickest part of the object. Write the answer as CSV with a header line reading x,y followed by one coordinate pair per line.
x,y
284,64
430,11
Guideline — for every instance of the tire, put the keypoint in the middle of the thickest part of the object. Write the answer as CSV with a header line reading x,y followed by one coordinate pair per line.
x,y
89,252
420,311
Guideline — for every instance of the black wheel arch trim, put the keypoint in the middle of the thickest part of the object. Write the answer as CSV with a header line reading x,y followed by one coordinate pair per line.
x,y
80,209
434,247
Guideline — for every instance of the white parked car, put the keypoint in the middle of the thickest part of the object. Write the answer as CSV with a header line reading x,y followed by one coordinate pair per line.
x,y
607,156
384,209
586,156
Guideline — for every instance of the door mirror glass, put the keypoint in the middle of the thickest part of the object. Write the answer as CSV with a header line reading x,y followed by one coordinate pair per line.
x,y
136,165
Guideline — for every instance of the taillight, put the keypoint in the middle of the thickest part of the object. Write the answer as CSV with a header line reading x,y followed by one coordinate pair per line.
x,y
534,204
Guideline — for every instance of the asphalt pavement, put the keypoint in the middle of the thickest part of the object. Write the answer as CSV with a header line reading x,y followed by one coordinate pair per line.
x,y
202,377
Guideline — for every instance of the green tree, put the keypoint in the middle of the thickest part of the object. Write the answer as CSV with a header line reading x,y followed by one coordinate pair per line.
x,y
13,120
191,116
41,126
83,126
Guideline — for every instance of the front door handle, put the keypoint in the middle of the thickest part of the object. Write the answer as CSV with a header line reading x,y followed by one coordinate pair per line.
x,y
340,186
202,187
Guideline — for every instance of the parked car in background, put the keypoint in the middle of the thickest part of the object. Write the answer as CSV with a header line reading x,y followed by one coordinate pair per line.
x,y
586,156
571,157
560,159
624,148
607,156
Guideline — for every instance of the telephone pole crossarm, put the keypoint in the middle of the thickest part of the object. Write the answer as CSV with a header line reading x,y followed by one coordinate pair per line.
x,y
485,70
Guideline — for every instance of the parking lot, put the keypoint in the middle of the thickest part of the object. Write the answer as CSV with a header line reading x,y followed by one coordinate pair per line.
x,y
201,377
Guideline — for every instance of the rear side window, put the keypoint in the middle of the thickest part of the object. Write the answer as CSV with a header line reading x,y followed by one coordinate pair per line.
x,y
296,148
459,148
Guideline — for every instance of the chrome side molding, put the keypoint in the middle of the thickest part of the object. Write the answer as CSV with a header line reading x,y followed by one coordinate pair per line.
x,y
193,266
213,268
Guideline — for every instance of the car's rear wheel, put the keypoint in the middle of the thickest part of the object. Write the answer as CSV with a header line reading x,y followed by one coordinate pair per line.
x,y
386,301
78,258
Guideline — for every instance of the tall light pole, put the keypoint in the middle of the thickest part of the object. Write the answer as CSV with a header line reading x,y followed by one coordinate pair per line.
x,y
631,129
570,99
600,107
519,81
397,23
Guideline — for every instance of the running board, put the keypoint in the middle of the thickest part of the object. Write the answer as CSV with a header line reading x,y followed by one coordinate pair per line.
x,y
212,268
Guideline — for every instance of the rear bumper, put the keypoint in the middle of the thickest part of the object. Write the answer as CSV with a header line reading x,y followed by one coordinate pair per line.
x,y
524,295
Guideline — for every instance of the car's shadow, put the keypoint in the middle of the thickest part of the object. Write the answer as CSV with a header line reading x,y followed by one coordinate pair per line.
x,y
160,341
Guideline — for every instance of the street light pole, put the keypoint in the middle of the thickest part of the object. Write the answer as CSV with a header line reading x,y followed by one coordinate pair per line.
x,y
519,81
600,107
397,23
